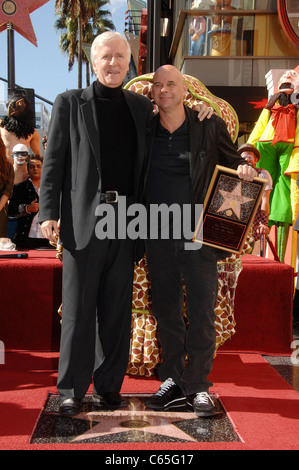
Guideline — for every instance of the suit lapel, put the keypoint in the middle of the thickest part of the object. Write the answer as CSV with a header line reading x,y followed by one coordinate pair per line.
x,y
90,118
196,141
138,118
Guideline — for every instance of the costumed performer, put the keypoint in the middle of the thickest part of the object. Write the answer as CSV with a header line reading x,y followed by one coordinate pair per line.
x,y
18,127
276,136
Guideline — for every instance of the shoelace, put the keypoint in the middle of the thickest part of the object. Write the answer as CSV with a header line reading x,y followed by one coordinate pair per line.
x,y
165,387
203,398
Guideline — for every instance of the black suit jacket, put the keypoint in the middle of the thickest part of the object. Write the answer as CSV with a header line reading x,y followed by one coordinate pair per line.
x,y
23,194
71,175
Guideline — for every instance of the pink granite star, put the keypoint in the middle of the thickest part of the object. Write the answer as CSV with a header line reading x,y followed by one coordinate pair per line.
x,y
17,12
136,418
233,201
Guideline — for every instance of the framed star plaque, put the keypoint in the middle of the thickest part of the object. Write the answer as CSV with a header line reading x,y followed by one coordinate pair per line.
x,y
229,209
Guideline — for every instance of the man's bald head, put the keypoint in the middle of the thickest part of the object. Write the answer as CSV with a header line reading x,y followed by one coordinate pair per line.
x,y
169,89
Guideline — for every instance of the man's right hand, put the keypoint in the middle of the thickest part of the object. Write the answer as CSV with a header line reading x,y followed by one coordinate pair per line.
x,y
50,229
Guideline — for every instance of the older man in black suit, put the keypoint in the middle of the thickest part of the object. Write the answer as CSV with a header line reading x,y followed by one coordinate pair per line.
x,y
94,154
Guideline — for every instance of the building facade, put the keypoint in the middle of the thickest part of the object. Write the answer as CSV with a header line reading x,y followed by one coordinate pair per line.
x,y
245,44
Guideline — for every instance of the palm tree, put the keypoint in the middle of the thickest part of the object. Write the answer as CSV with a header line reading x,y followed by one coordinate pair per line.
x,y
68,41
69,34
75,15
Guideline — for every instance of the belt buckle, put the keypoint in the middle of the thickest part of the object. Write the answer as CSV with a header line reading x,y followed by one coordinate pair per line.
x,y
116,196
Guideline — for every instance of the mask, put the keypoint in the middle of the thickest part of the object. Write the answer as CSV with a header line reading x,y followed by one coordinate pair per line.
x,y
287,81
20,158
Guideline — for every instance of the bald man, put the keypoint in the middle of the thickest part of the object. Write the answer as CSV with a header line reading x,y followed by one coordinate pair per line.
x,y
182,158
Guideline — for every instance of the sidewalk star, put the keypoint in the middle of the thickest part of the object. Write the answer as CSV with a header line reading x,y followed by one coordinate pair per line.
x,y
17,12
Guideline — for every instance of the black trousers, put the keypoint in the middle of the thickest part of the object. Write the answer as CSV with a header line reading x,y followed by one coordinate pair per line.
x,y
169,263
96,317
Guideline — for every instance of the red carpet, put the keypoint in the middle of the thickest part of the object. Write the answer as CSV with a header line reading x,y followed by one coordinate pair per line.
x,y
263,305
263,408
263,308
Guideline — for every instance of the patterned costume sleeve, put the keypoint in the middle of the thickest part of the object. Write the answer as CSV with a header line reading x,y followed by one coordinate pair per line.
x,y
259,127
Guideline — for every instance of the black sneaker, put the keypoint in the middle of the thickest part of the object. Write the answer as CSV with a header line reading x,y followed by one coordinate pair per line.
x,y
168,396
202,404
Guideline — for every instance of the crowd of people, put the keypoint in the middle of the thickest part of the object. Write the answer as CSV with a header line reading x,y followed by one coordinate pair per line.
x,y
20,174
105,142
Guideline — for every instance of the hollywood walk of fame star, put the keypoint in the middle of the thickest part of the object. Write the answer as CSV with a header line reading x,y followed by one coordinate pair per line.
x,y
138,418
134,423
233,200
17,12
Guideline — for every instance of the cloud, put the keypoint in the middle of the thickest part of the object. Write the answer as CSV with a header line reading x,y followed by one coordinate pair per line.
x,y
116,4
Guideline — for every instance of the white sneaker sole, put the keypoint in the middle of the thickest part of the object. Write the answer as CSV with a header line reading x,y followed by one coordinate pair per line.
x,y
177,403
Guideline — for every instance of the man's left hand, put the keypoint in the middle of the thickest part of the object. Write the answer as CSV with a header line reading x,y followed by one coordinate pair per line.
x,y
246,172
262,230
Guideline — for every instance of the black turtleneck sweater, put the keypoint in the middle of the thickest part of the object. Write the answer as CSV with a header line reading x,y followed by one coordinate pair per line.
x,y
117,139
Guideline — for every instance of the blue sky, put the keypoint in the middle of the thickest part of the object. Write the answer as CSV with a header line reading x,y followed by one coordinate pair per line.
x,y
44,68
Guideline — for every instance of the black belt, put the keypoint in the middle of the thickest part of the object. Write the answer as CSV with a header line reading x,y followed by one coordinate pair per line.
x,y
112,196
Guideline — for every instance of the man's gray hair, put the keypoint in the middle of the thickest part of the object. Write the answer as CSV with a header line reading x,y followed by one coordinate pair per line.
x,y
104,37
